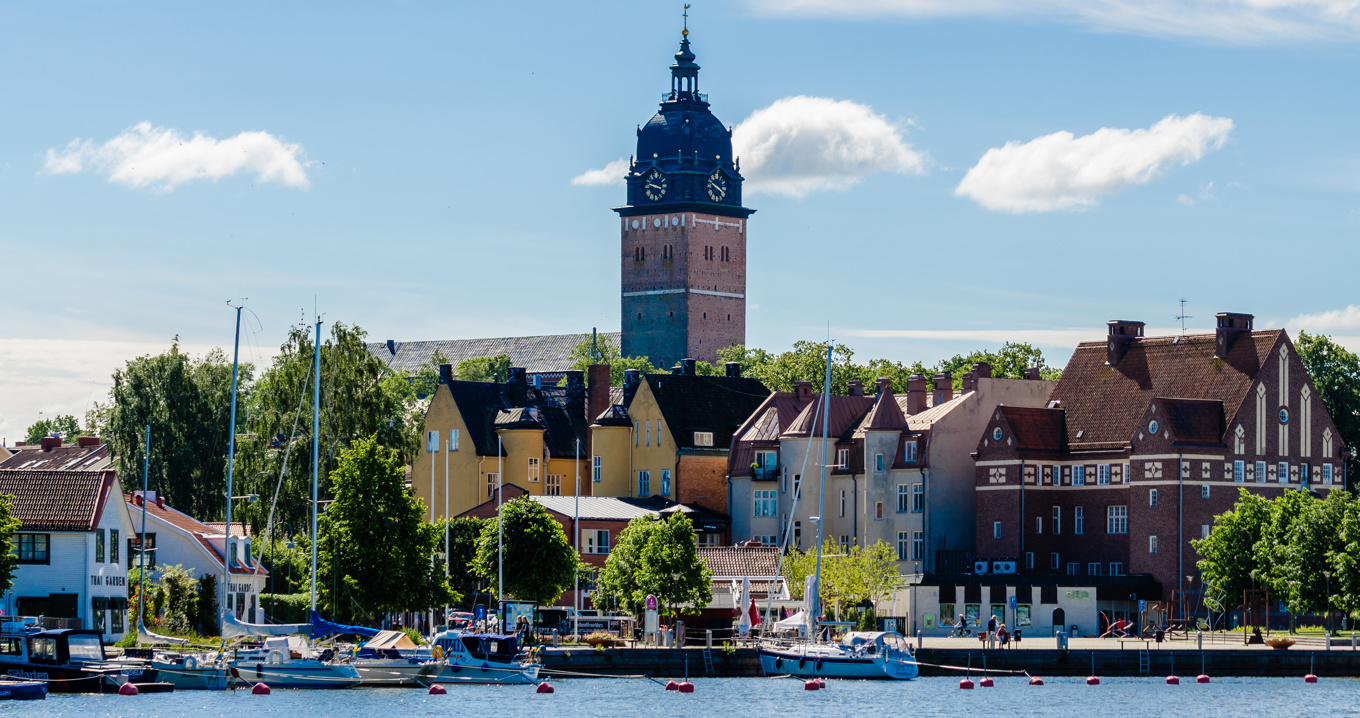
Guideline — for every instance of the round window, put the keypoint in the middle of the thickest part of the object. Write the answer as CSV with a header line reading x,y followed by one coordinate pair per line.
x,y
996,434
1152,426
1284,415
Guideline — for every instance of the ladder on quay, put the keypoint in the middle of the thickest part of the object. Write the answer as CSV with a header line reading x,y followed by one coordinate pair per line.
x,y
708,661
1143,660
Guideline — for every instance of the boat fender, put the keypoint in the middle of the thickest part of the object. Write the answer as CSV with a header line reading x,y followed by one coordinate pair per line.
x,y
438,653
778,663
275,657
801,661
190,663
818,666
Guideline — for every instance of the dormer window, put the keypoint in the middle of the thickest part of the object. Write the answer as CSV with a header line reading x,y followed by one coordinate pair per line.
x,y
703,438
909,451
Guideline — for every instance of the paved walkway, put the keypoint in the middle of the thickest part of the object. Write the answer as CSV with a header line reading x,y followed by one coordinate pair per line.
x,y
1215,642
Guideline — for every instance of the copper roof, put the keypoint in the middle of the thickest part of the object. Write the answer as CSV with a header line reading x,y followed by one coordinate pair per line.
x,y
763,427
58,500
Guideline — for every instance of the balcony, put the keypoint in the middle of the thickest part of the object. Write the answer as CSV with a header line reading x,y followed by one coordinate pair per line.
x,y
764,473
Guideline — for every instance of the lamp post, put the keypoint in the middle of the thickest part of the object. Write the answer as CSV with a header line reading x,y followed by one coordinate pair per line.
x,y
1327,605
1185,604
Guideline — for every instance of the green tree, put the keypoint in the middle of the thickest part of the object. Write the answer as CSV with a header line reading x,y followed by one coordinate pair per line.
x,y
373,536
1336,374
63,425
181,600
9,553
620,581
463,535
208,618
539,561
659,558
607,353
1229,557
1345,560
187,403
496,368
1009,362
1313,540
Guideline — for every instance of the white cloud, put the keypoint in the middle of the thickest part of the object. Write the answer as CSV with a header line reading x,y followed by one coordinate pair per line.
x,y
1342,325
1062,171
162,158
1227,21
803,144
610,174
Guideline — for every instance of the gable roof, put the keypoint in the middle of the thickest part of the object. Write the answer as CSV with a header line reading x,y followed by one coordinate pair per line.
x,y
885,415
543,353
58,500
846,413
764,425
487,406
1105,403
691,403
1035,429
741,560
67,457
207,535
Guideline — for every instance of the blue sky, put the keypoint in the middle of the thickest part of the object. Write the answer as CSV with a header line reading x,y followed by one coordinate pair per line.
x,y
411,166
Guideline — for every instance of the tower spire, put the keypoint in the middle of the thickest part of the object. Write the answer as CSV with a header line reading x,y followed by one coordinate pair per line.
x,y
685,72
685,32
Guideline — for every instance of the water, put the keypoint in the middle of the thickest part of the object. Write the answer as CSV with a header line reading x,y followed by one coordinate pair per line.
x,y
731,697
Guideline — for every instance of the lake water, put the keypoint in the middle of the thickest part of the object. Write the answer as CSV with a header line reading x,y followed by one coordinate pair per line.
x,y
729,697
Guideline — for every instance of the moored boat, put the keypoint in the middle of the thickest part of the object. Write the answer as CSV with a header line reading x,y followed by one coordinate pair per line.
x,y
288,662
482,658
69,660
17,690
863,655
391,658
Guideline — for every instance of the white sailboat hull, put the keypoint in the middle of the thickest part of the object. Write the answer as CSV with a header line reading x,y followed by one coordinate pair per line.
x,y
303,673
803,663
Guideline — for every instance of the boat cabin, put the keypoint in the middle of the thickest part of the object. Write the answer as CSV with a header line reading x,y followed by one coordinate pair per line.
x,y
26,643
481,646
874,642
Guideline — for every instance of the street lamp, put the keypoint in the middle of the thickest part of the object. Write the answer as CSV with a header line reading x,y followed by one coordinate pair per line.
x,y
1328,603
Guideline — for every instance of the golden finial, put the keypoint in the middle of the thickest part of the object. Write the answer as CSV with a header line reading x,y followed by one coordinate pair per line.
x,y
685,32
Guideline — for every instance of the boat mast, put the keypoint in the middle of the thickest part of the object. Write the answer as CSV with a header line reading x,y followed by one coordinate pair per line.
x,y
231,461
141,588
816,602
316,443
500,531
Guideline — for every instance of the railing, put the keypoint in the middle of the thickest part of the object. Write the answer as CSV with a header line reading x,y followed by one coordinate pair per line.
x,y
765,473
671,96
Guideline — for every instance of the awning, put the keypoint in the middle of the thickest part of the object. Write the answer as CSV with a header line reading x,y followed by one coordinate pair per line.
x,y
322,627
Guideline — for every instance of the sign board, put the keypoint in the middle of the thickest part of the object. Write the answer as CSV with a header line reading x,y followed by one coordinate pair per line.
x,y
1142,606
1012,603
890,625
512,612
480,613
1077,595
650,626
651,602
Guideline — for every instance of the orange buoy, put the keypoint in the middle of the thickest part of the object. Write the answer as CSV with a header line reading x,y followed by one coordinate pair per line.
x,y
1036,681
1202,678
544,687
259,689
686,687
127,689
1310,678
1092,681
672,686
437,690
811,684
986,683
1173,681
965,685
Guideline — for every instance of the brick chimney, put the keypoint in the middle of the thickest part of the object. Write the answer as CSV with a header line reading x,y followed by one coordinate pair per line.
x,y
968,383
882,384
160,502
87,441
1230,326
1122,334
392,347
445,373
1033,374
733,369
944,387
688,367
916,394
49,443
597,390
576,393
982,370
854,387
802,390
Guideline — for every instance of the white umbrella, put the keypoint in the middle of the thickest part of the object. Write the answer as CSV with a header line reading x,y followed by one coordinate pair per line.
x,y
744,621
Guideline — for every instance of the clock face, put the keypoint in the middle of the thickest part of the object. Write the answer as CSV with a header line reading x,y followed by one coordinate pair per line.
x,y
654,185
717,186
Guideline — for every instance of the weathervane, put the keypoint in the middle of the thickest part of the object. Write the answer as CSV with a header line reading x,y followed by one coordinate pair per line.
x,y
685,32
1183,316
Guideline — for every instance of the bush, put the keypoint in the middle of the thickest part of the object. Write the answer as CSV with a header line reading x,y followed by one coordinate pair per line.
x,y
287,607
207,605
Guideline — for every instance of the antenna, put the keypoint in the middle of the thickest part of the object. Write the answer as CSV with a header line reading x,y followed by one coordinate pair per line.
x,y
1183,316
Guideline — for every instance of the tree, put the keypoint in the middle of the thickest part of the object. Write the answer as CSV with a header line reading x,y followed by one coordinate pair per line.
x,y
850,576
607,353
1229,553
496,368
1336,374
373,535
1313,540
187,403
620,581
208,618
9,553
539,561
63,425
1345,560
659,558
463,535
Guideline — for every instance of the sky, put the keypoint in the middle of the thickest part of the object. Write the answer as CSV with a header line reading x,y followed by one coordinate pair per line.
x,y
930,176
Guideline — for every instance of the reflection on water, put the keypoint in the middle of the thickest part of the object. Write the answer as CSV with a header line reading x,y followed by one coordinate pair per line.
x,y
729,697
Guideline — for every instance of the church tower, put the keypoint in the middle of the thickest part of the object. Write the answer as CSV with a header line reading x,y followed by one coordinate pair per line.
x,y
683,230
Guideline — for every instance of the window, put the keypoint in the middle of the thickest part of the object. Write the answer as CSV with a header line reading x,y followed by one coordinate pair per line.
x,y
1117,520
903,498
1152,544
637,429
1152,497
1053,564
878,462
1204,531
903,545
1029,560
1116,568
767,463
135,550
1038,525
918,498
996,529
1303,475
797,534
1093,568
1078,520
597,468
764,503
1239,471
597,541
453,439
797,487
878,510
1282,473
644,479
1078,475
765,540
99,546
11,646
909,451
554,485
533,468
845,542
843,458
1072,568
918,545
490,485
1204,491
1103,474
701,438
1327,474
842,503
1260,472
1057,520
113,545
33,548
665,482
649,432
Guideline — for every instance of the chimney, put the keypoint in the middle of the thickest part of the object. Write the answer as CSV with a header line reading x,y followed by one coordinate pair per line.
x,y
802,390
88,441
1033,374
969,382
517,385
392,347
1122,334
733,370
445,373
677,370
597,390
138,499
883,385
982,370
160,502
576,394
1230,326
688,367
631,378
916,394
49,443
854,387
944,387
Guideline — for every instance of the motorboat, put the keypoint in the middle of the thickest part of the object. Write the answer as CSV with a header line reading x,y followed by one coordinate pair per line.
x,y
859,654
289,662
18,690
391,658
203,671
483,658
70,660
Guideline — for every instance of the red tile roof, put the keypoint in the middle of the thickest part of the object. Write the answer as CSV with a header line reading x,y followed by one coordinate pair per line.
x,y
58,500
1035,429
1193,421
741,560
206,534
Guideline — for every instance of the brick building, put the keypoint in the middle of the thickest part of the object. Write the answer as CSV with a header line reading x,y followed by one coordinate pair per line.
x,y
1143,442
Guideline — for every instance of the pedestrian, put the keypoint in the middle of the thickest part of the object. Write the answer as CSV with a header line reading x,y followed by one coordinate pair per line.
x,y
961,626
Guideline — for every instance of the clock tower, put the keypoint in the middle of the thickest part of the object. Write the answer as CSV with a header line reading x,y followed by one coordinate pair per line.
x,y
683,230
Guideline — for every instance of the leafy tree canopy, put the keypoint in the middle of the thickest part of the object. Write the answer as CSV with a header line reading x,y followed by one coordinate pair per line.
x,y
850,576
63,425
656,557
1336,374
607,353
9,559
539,561
496,368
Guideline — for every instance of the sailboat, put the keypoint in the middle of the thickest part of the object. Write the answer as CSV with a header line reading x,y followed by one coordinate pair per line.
x,y
860,654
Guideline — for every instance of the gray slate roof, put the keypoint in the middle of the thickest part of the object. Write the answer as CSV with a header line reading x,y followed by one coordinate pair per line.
x,y
546,353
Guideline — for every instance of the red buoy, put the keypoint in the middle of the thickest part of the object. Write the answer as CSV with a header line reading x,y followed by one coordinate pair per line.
x,y
986,683
1202,678
259,689
1310,678
965,685
1173,681
812,685
1036,681
686,687
437,690
672,686
127,689
822,682
544,687
1092,681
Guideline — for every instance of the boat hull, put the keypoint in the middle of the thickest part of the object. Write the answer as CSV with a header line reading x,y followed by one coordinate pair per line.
x,y
194,679
69,679
16,691
487,672
397,673
793,663
299,674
